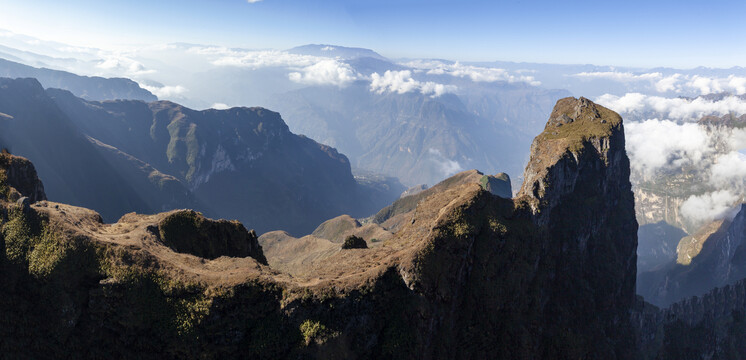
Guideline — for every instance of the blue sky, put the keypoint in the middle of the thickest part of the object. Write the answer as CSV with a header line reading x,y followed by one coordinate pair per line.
x,y
630,33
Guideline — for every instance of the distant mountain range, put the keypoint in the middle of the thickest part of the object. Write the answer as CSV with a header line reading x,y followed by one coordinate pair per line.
x,y
90,88
420,138
127,155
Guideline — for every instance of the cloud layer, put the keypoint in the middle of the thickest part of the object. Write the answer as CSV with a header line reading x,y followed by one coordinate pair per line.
x,y
672,108
401,82
673,83
475,73
710,153
325,72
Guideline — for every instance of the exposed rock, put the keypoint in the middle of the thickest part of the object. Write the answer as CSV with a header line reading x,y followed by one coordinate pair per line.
x,y
354,242
20,175
187,231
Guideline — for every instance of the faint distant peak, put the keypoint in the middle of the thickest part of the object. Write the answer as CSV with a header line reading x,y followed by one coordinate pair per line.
x,y
334,51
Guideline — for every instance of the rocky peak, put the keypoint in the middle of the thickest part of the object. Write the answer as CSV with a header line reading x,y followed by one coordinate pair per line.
x,y
18,179
581,141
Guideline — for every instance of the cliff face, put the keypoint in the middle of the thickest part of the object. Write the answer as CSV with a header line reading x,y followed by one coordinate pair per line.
x,y
657,206
577,187
467,274
19,176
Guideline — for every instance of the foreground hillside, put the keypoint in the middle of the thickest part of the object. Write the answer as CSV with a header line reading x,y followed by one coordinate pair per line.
x,y
469,274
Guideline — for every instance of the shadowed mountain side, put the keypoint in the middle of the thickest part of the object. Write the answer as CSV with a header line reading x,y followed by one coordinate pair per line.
x,y
239,163
75,172
160,191
657,245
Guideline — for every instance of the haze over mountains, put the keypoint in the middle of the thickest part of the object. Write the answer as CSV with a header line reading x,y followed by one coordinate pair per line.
x,y
108,144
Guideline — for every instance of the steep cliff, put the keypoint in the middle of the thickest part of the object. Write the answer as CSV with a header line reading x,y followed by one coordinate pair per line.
x,y
467,275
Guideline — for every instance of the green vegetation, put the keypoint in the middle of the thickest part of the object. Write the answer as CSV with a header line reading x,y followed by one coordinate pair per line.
x,y
313,330
589,121
4,187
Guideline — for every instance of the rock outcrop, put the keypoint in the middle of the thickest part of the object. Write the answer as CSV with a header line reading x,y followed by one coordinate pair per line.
x,y
354,242
187,231
467,274
19,177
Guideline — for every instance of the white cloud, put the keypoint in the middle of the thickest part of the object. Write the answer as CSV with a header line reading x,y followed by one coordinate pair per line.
x,y
709,206
707,85
619,76
325,72
163,92
668,83
304,69
673,108
402,82
253,1
122,65
655,144
255,59
729,170
475,73
219,106
678,83
446,166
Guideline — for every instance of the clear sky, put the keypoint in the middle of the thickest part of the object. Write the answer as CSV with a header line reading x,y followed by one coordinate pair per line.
x,y
626,33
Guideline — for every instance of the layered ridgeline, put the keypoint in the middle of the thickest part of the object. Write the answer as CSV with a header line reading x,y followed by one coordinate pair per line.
x,y
87,87
122,156
469,274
